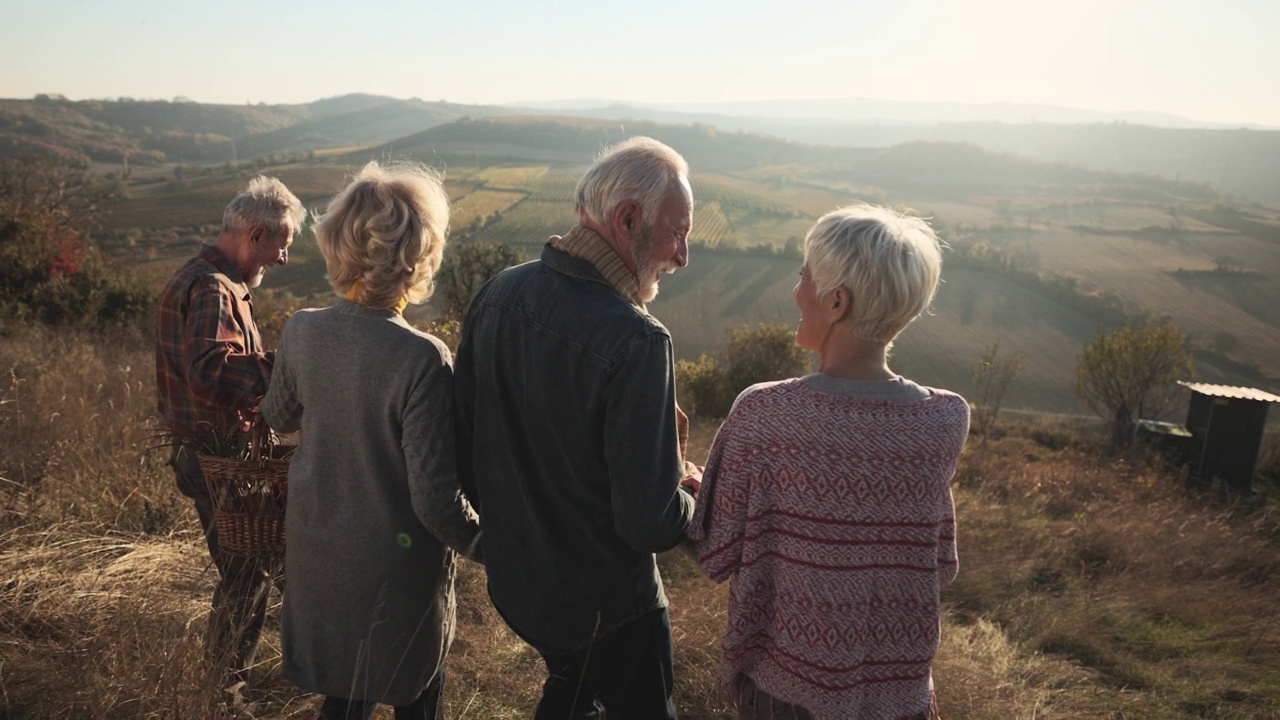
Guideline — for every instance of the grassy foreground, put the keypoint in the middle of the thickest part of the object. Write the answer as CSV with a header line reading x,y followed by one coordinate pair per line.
x,y
1090,586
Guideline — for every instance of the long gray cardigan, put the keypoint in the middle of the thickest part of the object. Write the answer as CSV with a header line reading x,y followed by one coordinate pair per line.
x,y
374,512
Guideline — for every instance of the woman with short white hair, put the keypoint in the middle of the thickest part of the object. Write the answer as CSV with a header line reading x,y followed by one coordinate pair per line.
x,y
375,514
827,498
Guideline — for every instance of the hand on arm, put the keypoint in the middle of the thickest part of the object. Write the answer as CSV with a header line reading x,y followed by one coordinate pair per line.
x,y
281,407
429,449
692,481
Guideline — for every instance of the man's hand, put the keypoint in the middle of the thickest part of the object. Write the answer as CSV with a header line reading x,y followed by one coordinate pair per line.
x,y
692,478
248,415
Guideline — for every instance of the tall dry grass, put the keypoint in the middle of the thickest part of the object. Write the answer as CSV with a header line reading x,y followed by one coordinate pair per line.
x,y
1090,586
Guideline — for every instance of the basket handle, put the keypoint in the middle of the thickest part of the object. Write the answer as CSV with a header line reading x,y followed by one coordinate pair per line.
x,y
260,440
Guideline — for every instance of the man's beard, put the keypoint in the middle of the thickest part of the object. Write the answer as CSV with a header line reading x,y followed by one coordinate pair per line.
x,y
648,270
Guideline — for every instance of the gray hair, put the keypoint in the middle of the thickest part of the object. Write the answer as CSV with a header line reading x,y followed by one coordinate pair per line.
x,y
640,170
266,202
386,229
889,262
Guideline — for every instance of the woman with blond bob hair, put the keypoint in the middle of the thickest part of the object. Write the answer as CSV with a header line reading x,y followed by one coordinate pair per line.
x,y
827,498
375,514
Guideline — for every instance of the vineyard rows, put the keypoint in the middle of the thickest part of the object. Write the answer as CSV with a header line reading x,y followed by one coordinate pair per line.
x,y
530,222
710,226
510,177
553,185
738,199
483,204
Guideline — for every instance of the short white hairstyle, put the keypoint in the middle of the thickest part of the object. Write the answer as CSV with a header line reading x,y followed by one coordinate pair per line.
x,y
268,203
889,262
640,170
386,229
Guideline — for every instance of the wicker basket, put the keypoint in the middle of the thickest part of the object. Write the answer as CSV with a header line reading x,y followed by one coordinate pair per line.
x,y
249,498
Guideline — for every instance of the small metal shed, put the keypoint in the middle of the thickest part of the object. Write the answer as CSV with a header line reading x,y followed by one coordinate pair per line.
x,y
1226,425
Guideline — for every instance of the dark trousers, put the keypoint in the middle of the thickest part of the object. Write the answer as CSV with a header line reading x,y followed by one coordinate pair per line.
x,y
239,605
428,706
628,672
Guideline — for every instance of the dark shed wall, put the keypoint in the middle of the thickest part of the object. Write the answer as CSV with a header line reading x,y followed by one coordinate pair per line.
x,y
1228,436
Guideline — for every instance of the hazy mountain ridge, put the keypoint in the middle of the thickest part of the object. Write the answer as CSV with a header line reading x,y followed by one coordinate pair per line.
x,y
152,131
1242,162
875,110
568,140
1236,159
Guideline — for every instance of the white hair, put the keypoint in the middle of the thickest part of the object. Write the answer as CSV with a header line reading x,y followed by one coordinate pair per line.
x,y
640,170
889,262
386,229
268,203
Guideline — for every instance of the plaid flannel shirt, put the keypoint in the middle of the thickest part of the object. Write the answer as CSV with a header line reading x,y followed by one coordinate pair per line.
x,y
210,364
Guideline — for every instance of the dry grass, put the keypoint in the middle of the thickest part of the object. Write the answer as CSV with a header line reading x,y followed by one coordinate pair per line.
x,y
1090,587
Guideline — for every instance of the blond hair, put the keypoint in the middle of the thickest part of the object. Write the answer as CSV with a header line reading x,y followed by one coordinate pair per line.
x,y
386,230
889,262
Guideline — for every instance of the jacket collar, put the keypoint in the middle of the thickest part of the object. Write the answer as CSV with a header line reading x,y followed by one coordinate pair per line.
x,y
214,257
586,244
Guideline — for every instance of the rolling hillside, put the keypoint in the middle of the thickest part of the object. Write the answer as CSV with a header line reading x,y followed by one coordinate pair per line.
x,y
1244,162
148,132
1043,254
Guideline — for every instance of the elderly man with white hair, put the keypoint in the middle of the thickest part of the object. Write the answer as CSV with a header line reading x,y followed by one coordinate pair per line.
x,y
211,369
569,438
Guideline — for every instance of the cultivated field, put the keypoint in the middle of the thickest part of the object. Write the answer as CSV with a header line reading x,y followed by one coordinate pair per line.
x,y
1210,267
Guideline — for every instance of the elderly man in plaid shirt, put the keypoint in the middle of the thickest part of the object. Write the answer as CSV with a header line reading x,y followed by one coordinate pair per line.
x,y
211,370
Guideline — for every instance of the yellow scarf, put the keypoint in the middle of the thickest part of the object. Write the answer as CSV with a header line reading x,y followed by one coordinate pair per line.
x,y
356,293
586,244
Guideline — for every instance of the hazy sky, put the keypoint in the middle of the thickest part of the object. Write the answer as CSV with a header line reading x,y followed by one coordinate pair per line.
x,y
1210,61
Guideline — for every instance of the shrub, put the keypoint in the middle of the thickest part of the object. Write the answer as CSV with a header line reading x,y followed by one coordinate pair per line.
x,y
755,354
702,387
50,273
466,268
1126,374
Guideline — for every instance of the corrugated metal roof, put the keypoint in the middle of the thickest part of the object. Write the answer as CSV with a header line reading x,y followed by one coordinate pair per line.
x,y
1228,391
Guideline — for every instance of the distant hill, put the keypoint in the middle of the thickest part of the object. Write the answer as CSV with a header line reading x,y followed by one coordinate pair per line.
x,y
924,169
150,131
563,140
890,112
1242,161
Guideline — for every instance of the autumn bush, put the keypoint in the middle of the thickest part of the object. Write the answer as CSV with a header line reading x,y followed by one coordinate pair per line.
x,y
50,271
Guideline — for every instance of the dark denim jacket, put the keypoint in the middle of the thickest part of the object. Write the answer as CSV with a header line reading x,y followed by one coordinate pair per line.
x,y
566,412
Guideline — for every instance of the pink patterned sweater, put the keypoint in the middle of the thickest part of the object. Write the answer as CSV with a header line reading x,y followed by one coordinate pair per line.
x,y
834,517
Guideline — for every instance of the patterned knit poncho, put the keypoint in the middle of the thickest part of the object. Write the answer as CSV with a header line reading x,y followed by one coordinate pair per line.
x,y
834,516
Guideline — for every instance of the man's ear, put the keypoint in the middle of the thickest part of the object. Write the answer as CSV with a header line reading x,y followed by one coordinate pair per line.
x,y
257,234
626,219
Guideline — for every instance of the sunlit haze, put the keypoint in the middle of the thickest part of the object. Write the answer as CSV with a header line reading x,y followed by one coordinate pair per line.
x,y
1210,62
